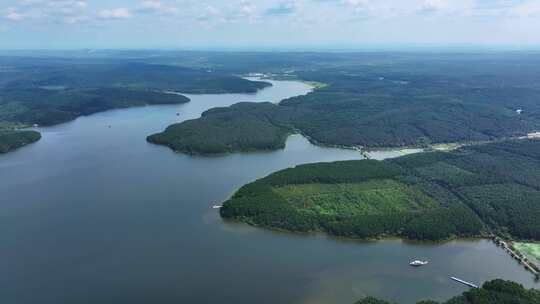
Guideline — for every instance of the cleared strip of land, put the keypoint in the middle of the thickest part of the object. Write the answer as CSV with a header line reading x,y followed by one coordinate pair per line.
x,y
531,249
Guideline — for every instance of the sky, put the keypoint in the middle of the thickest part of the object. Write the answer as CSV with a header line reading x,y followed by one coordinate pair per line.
x,y
267,24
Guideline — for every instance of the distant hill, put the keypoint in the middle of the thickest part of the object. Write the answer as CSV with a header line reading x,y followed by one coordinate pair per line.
x,y
135,76
389,100
52,106
50,91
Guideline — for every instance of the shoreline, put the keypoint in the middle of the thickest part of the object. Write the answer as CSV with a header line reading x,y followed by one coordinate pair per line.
x,y
520,257
366,152
320,233
514,253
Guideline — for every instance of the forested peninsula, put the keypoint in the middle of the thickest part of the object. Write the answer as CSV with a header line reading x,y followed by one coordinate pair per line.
x,y
380,103
241,127
473,191
11,140
51,93
492,292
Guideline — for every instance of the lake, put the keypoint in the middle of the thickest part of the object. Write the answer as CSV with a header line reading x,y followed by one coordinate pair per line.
x,y
92,214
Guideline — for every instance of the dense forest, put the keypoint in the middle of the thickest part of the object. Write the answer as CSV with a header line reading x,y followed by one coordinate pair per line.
x,y
11,140
52,106
393,100
48,91
242,127
49,95
492,292
491,188
370,99
128,75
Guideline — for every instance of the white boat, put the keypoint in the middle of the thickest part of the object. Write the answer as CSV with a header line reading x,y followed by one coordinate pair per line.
x,y
417,263
464,282
216,207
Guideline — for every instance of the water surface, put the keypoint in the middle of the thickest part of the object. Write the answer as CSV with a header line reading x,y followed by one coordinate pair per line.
x,y
92,214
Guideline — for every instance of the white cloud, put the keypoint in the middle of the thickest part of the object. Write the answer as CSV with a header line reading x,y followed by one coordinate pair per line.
x,y
247,8
434,5
58,11
377,9
527,9
357,3
115,13
210,13
30,2
283,9
300,21
13,14
69,11
156,6
451,7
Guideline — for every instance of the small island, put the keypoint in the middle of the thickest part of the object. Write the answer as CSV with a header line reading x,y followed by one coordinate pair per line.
x,y
473,191
492,292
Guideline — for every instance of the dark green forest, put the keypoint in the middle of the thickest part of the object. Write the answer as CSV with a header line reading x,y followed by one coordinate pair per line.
x,y
126,75
473,191
372,99
390,100
222,130
48,91
492,292
53,94
11,140
50,106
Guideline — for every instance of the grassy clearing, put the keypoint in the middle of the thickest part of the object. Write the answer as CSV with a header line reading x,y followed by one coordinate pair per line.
x,y
5,125
374,197
446,147
531,249
317,85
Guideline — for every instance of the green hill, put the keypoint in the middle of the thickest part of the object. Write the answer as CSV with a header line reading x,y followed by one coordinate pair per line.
x,y
393,100
428,196
48,91
242,127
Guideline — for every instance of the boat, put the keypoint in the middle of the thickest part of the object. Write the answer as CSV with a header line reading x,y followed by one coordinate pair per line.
x,y
464,282
417,263
216,207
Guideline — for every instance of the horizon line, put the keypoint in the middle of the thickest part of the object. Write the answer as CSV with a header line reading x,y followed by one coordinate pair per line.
x,y
297,48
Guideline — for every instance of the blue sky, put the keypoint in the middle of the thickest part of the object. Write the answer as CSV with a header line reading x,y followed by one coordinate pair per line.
x,y
55,24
